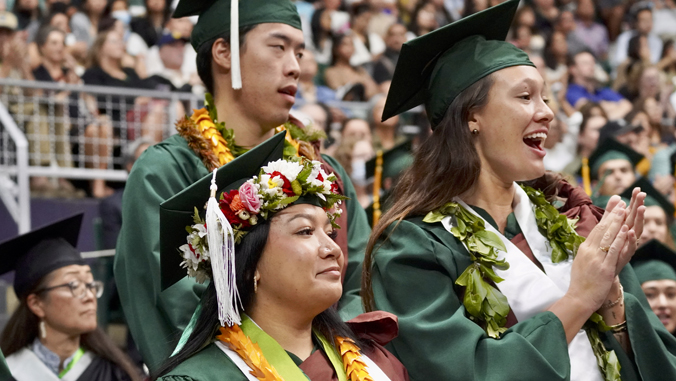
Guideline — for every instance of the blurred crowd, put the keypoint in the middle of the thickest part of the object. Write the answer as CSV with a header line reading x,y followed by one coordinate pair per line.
x,y
609,66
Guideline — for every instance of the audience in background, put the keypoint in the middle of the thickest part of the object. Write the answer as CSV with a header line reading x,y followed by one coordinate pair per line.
x,y
350,83
150,27
85,23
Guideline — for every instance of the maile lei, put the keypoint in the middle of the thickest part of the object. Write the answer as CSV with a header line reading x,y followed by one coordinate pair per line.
x,y
251,353
485,304
215,144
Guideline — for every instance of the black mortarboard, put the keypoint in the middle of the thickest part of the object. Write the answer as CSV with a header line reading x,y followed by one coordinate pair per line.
x,y
39,252
177,212
395,161
611,149
434,68
653,196
654,261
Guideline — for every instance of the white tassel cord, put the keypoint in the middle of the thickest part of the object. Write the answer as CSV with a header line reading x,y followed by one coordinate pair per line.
x,y
222,254
235,69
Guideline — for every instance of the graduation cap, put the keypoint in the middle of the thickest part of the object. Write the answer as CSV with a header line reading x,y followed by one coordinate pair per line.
x,y
654,261
217,17
653,196
611,149
388,164
395,161
177,212
39,252
434,68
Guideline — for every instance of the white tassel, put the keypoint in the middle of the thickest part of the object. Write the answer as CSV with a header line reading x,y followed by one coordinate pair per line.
x,y
222,254
234,45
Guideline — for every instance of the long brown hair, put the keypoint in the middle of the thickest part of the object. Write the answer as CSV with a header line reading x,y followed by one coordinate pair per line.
x,y
444,166
22,329
94,56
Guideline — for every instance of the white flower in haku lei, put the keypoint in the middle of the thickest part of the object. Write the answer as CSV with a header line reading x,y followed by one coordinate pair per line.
x,y
190,257
289,169
272,186
318,177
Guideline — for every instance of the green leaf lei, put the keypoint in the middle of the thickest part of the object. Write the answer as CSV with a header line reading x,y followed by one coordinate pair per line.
x,y
485,304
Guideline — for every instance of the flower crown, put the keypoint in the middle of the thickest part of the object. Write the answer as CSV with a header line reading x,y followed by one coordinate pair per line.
x,y
278,185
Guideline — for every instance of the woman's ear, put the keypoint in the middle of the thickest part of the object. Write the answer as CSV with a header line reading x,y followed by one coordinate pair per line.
x,y
473,121
220,51
36,305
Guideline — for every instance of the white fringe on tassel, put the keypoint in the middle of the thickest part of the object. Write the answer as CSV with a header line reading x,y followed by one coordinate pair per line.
x,y
222,254
235,69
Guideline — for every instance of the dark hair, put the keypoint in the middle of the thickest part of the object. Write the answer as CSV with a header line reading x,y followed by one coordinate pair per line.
x,y
22,329
204,56
57,9
634,47
316,27
166,13
548,56
43,34
586,114
452,166
336,40
571,57
248,253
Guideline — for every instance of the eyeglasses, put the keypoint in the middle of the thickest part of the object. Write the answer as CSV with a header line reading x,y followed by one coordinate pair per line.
x,y
79,289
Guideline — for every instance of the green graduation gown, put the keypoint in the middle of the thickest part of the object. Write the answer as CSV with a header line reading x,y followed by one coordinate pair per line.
x,y
156,318
211,364
4,369
414,274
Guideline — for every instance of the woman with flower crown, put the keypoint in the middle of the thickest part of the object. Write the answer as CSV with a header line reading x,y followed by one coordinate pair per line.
x,y
266,246
493,279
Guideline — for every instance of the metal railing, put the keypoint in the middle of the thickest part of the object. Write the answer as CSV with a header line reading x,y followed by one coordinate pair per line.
x,y
80,132
75,132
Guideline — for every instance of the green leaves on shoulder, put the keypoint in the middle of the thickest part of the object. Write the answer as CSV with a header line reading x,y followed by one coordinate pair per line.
x,y
482,300
302,134
557,228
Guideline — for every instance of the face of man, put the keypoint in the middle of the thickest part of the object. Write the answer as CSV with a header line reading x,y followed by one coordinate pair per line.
x,y
172,55
644,21
270,64
396,36
583,69
619,175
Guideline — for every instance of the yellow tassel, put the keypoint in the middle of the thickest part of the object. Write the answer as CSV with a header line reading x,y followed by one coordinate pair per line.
x,y
377,184
586,180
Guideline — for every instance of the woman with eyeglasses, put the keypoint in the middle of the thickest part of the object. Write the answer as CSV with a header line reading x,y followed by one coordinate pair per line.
x,y
53,334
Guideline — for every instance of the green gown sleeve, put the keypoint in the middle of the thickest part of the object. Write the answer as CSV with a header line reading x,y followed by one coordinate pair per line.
x,y
653,347
210,364
4,369
155,317
413,277
358,231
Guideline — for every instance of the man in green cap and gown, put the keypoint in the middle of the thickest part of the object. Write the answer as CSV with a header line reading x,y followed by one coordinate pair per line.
x,y
613,170
658,216
654,264
253,82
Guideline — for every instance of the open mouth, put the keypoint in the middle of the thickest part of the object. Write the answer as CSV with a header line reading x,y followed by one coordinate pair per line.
x,y
289,92
664,317
535,140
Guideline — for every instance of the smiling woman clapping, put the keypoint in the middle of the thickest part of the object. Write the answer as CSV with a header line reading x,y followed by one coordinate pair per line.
x,y
493,279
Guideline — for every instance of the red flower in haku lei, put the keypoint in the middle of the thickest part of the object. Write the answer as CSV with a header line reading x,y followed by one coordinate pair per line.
x,y
226,207
288,190
334,188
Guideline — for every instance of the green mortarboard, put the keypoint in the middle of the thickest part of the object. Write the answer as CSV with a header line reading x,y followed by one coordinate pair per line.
x,y
611,149
434,68
654,197
214,16
395,161
602,200
177,212
39,252
217,17
654,261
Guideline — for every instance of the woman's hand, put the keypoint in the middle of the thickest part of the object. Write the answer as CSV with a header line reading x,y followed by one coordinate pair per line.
x,y
594,268
634,223
593,271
